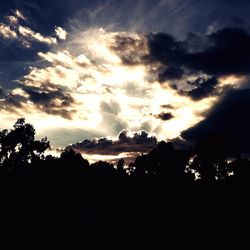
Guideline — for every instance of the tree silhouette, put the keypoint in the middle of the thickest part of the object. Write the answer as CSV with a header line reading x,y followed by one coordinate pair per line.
x,y
121,167
19,147
210,157
163,162
58,194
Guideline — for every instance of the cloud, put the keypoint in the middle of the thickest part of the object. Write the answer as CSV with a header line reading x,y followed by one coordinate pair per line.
x,y
224,52
20,15
23,35
197,66
6,32
12,20
204,87
165,49
167,106
61,33
112,107
138,142
56,102
164,116
131,48
30,34
12,101
15,17
171,73
230,117
1,92
36,93
227,53
84,83
104,80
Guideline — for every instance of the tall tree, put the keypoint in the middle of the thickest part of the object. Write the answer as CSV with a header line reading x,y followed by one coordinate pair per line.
x,y
18,146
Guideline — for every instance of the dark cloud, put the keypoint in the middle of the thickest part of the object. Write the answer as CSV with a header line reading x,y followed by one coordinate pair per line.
x,y
171,73
55,102
203,88
165,116
165,49
230,117
130,49
222,53
139,142
218,53
167,106
1,92
12,102
226,52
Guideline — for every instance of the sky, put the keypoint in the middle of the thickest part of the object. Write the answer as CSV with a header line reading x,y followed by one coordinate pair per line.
x,y
112,78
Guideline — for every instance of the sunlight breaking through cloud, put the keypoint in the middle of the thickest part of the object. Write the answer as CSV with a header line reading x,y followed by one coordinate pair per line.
x,y
101,80
89,71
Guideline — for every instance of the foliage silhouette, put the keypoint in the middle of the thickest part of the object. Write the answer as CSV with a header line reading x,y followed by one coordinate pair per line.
x,y
159,189
18,147
210,157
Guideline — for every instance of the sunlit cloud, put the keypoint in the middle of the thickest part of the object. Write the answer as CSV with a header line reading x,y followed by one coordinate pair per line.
x,y
12,20
30,34
20,15
6,32
102,81
24,35
87,70
87,74
232,81
61,33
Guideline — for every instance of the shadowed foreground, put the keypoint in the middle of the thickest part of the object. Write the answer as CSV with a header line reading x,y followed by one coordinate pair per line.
x,y
168,195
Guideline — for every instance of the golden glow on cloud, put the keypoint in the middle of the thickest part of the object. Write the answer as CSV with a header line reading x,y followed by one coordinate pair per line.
x,y
20,15
61,33
107,93
234,81
27,32
7,32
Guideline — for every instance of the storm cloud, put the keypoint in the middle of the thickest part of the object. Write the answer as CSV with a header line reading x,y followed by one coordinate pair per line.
x,y
205,59
138,142
224,52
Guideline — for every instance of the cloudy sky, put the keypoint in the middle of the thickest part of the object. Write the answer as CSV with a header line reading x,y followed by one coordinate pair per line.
x,y
114,77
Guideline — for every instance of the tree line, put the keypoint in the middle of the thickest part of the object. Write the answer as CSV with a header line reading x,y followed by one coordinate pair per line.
x,y
181,192
214,160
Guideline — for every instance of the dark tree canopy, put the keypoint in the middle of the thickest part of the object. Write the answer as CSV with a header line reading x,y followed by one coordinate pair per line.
x,y
158,190
19,147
